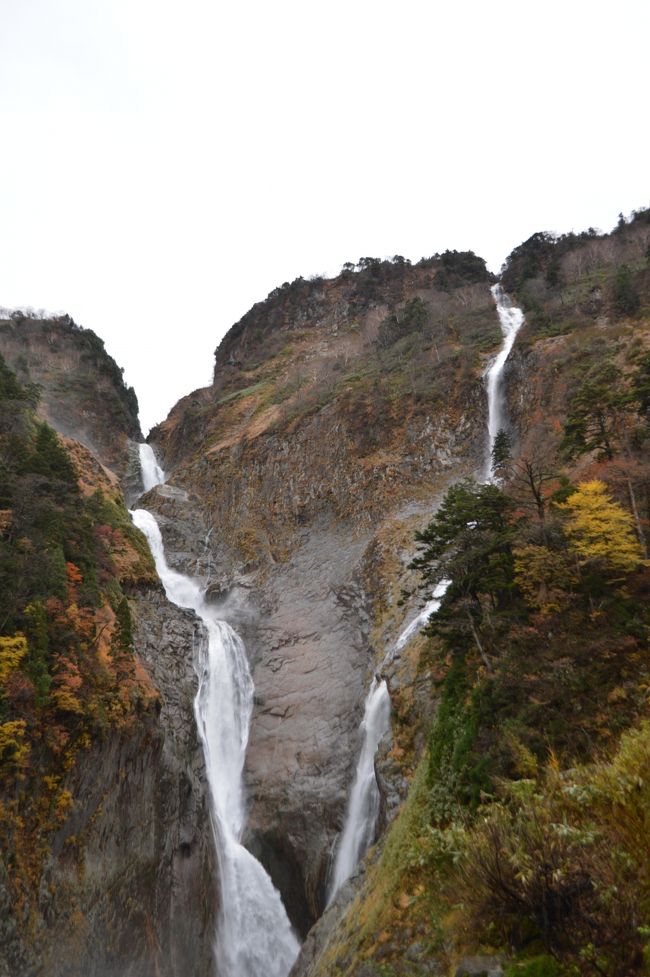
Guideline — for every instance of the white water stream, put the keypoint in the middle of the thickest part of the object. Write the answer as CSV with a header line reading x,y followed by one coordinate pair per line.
x,y
363,804
254,937
152,473
511,320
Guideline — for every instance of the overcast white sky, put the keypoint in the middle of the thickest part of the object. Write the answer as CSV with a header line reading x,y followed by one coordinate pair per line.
x,y
166,163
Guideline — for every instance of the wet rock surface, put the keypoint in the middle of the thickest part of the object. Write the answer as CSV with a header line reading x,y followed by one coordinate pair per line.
x,y
312,666
306,632
282,531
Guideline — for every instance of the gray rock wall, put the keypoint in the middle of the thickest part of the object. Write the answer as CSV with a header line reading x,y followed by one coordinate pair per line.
x,y
130,887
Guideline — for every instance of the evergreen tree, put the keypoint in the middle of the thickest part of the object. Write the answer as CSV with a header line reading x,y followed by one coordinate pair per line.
x,y
122,643
625,295
594,412
469,544
37,662
640,388
10,389
501,453
50,458
467,539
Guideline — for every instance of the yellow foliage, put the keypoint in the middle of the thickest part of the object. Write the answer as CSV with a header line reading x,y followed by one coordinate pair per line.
x,y
62,805
67,701
600,530
14,749
543,576
524,759
85,742
12,651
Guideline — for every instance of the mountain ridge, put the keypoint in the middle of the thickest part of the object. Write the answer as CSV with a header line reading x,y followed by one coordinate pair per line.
x,y
340,414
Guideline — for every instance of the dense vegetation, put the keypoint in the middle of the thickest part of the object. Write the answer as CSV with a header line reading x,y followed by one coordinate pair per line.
x,y
524,834
564,282
68,671
541,652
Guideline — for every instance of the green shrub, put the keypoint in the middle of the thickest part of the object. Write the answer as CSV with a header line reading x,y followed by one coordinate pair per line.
x,y
564,860
412,317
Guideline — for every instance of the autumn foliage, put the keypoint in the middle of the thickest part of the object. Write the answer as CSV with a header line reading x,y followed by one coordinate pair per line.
x,y
600,531
541,652
68,671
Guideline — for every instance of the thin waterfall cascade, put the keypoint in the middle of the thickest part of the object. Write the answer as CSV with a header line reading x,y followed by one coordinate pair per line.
x,y
511,320
418,623
152,473
363,805
362,811
254,937
360,822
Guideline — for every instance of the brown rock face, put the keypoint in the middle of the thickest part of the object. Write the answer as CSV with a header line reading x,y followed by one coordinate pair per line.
x,y
82,393
339,412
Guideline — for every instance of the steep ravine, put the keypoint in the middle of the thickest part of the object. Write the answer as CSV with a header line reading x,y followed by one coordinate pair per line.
x,y
302,529
298,521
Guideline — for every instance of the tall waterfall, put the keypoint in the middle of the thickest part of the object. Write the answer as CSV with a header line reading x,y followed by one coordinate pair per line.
x,y
363,803
511,320
254,937
152,473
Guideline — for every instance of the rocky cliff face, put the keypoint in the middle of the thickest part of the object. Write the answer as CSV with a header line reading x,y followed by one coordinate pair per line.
x,y
338,413
107,864
133,867
82,393
587,304
128,886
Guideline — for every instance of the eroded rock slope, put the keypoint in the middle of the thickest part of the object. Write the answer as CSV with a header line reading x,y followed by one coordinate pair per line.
x,y
338,413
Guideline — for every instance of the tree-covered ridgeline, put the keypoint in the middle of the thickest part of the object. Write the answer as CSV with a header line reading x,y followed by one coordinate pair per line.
x,y
68,671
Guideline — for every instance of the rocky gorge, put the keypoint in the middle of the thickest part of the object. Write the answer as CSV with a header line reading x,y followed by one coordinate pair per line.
x,y
340,413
